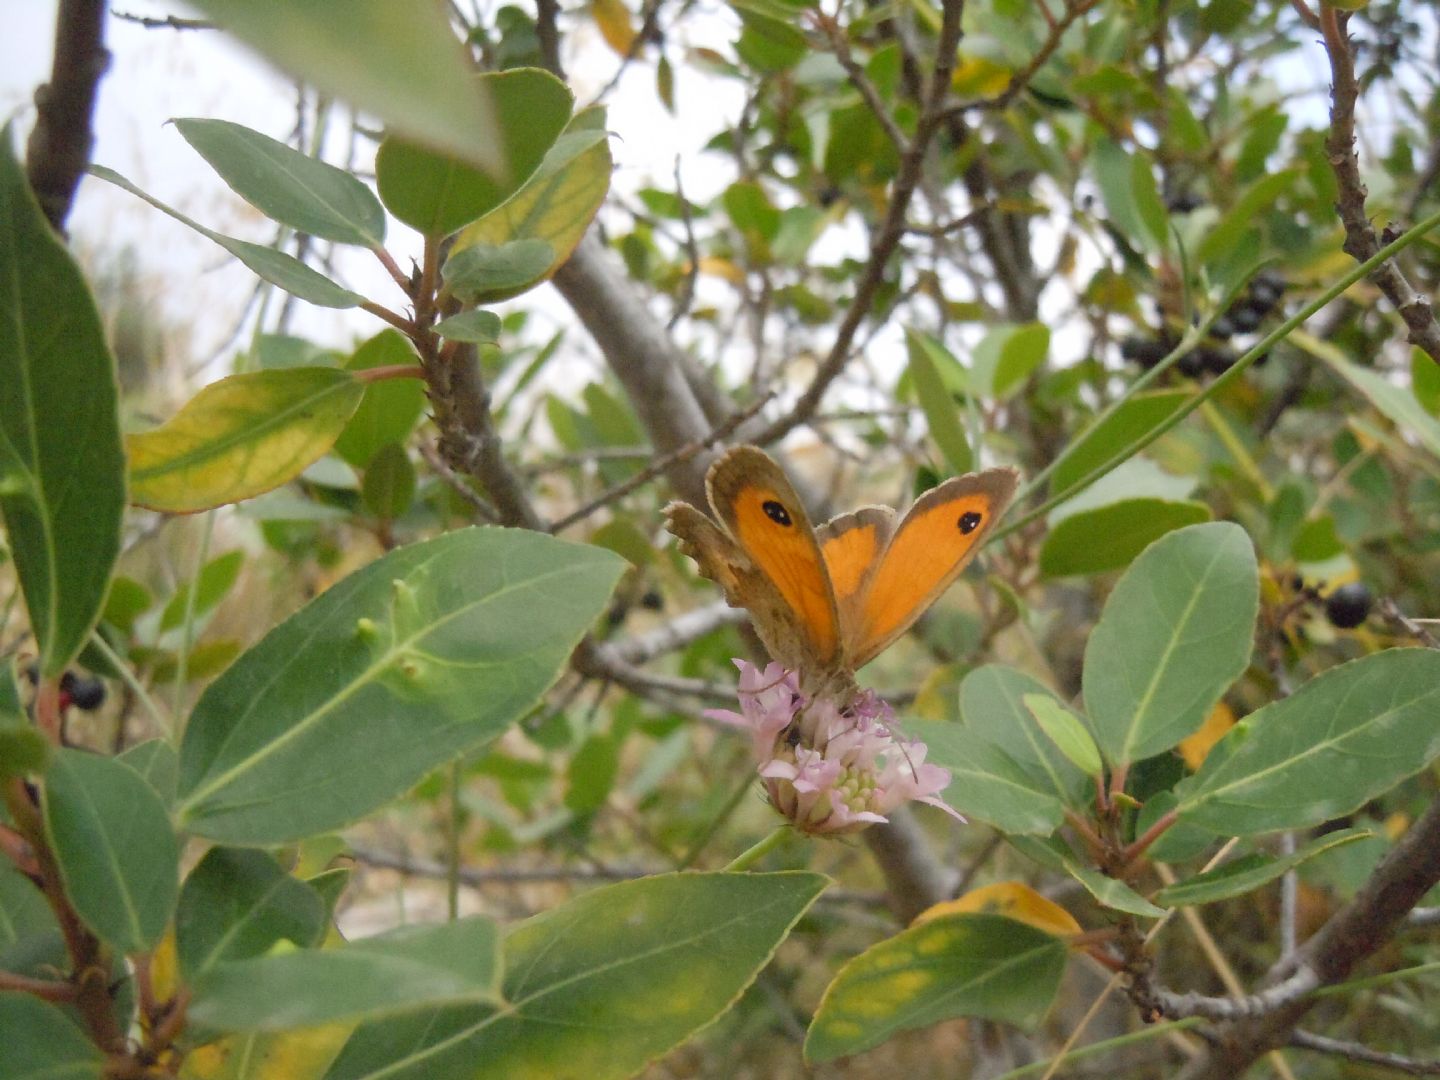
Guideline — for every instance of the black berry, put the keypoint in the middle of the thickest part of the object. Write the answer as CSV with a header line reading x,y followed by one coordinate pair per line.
x,y
1245,316
85,691
1349,605
652,600
1144,351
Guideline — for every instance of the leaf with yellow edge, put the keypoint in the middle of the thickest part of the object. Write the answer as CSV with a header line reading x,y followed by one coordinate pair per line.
x,y
1194,748
241,436
291,1055
612,19
965,964
555,206
1011,898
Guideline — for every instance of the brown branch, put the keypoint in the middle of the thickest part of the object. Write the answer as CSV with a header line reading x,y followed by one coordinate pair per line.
x,y
547,15
840,45
58,151
907,179
675,634
169,22
45,989
1021,78
660,465
457,483
1361,242
914,878
1377,912
1351,1051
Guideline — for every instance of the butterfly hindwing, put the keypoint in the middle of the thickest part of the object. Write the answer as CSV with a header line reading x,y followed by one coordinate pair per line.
x,y
927,550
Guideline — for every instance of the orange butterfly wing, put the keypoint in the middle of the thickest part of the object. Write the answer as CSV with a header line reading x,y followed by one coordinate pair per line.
x,y
852,545
929,548
757,504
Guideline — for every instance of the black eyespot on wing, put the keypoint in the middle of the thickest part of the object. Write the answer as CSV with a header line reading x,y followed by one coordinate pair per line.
x,y
776,513
969,521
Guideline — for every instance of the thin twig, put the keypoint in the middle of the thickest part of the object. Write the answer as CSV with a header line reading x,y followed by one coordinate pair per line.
x,y
168,22
661,464
1361,242
456,483
1021,78
1352,1051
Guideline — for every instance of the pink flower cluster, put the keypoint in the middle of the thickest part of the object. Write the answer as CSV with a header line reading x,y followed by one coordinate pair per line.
x,y
830,767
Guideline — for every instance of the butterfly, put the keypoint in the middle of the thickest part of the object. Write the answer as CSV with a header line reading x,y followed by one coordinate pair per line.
x,y
827,601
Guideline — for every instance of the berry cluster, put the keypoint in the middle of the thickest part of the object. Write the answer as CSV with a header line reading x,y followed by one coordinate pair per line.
x,y
1215,355
1346,606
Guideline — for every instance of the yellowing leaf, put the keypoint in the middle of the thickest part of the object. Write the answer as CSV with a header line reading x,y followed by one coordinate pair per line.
x,y
239,437
721,268
1013,899
305,1054
975,76
1193,748
612,18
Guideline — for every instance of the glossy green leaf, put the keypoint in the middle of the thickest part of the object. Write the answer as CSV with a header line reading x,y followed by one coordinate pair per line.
x,y
43,1043
1175,633
657,960
1249,872
1396,402
1111,893
423,655
1344,737
24,916
1115,174
241,436
557,204
987,784
400,62
942,412
978,965
1425,380
282,270
389,486
287,186
389,408
415,967
117,852
1130,422
217,578
437,193
1066,730
992,705
158,763
1110,537
238,903
62,474
484,273
474,327
1149,206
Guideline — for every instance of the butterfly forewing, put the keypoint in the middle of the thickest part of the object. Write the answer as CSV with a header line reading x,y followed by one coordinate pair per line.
x,y
929,548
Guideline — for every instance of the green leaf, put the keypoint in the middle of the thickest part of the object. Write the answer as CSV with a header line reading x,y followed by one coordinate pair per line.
x,y
238,903
485,273
1396,402
117,851
217,578
23,751
1066,730
389,408
286,185
992,705
1344,737
62,473
415,967
1109,537
282,270
402,63
557,204
241,436
942,414
1425,380
42,1043
985,783
1130,422
423,655
25,917
1149,206
985,966
1230,230
1006,357
389,487
437,194
126,601
473,327
1249,872
657,960
1176,631
1111,893
158,764
1115,173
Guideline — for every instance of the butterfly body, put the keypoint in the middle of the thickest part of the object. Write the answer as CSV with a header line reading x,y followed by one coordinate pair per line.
x,y
825,601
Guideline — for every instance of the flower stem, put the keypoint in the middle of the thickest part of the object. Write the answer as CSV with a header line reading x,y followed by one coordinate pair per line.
x,y
750,857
